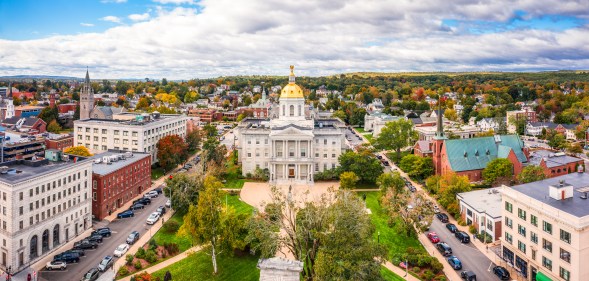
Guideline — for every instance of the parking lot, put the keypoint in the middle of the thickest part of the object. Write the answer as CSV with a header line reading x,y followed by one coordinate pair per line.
x,y
120,228
353,138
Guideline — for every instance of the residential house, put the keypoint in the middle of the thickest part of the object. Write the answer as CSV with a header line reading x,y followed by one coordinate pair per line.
x,y
482,209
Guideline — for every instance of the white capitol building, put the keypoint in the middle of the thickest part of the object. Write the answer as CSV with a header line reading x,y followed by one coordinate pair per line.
x,y
293,144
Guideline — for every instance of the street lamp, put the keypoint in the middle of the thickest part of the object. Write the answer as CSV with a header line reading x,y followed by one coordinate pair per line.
x,y
378,237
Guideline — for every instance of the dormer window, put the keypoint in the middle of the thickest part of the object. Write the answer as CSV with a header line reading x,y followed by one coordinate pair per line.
x,y
487,152
465,154
476,152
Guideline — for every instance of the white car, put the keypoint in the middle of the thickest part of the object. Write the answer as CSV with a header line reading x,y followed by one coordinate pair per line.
x,y
168,203
151,194
121,250
56,265
153,218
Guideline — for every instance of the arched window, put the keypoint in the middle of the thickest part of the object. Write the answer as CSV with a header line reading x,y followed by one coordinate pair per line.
x,y
33,247
45,241
56,236
291,110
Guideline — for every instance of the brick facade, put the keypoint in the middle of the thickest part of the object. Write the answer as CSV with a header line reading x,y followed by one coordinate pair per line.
x,y
61,143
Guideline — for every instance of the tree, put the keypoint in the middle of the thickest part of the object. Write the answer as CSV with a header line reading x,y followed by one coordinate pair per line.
x,y
348,180
210,130
48,114
214,151
556,140
193,140
171,151
390,180
208,222
183,190
78,150
574,148
53,127
417,167
348,250
77,112
498,170
396,135
362,163
531,173
451,184
450,114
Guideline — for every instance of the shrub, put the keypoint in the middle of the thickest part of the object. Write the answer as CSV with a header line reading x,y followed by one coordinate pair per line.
x,y
416,269
436,266
129,259
140,253
171,226
152,244
137,264
273,211
150,256
441,278
123,271
423,261
461,222
472,229
171,248
143,276
248,175
428,275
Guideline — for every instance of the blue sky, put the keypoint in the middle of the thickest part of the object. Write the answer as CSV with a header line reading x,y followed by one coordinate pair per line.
x,y
182,39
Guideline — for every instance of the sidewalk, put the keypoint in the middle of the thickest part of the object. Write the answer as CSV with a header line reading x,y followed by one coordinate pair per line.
x,y
165,263
399,271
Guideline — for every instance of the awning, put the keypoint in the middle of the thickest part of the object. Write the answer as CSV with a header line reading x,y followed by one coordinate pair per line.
x,y
541,277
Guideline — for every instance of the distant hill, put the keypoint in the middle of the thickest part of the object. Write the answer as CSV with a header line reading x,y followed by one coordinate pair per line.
x,y
40,77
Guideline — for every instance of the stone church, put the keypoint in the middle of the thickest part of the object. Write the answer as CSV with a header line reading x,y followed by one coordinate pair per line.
x,y
87,108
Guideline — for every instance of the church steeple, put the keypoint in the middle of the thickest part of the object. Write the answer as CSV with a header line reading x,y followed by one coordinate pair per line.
x,y
87,80
86,98
440,123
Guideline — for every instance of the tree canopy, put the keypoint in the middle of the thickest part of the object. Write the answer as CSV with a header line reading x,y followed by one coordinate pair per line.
x,y
78,150
499,170
362,163
396,135
531,173
171,151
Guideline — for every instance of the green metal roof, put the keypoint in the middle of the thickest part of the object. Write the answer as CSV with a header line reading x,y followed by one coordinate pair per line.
x,y
476,153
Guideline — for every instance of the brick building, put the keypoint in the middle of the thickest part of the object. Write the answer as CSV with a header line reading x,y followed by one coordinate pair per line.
x,y
206,115
555,163
117,177
59,141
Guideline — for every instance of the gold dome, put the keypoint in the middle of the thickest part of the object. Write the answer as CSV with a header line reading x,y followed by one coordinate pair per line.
x,y
292,90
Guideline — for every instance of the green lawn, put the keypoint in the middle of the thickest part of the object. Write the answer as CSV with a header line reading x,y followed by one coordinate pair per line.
x,y
389,275
360,130
232,176
396,243
156,173
234,183
238,205
198,266
161,236
369,137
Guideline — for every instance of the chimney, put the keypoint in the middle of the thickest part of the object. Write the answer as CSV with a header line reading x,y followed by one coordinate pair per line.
x,y
561,191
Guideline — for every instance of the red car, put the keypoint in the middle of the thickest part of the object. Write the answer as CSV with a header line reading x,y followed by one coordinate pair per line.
x,y
432,236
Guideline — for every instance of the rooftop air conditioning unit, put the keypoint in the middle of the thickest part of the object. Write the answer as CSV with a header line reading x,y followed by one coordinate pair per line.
x,y
105,159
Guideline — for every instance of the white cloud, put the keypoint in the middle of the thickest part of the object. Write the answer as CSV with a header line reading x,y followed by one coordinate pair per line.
x,y
139,17
225,37
177,2
86,24
111,19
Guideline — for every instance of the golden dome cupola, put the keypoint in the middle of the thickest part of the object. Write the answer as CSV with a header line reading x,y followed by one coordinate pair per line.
x,y
292,90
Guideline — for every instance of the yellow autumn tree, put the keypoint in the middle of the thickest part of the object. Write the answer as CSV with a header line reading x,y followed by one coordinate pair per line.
x,y
78,150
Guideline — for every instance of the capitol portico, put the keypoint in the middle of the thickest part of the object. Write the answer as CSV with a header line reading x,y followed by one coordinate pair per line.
x,y
294,144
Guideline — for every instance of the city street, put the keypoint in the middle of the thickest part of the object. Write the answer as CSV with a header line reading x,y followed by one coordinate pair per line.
x,y
121,228
228,139
472,259
352,138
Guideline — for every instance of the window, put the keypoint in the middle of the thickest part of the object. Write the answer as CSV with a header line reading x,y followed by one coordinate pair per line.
x,y
533,254
547,227
125,133
95,130
534,237
333,155
534,220
546,263
565,236
134,134
104,131
325,155
93,196
508,237
249,154
20,196
508,222
508,207
291,110
521,230
521,246
87,130
565,274
257,141
565,255
547,245
521,214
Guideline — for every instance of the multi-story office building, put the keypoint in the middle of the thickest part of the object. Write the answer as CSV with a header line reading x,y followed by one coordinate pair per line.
x,y
546,228
117,177
45,203
128,131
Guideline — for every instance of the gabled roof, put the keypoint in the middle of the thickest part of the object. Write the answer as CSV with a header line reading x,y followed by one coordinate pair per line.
x,y
423,146
476,153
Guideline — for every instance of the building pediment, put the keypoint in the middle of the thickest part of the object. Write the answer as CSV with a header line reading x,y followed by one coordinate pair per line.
x,y
291,130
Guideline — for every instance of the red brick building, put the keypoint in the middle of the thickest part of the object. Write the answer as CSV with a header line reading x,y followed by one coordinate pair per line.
x,y
423,148
117,177
59,141
555,163
32,125
206,115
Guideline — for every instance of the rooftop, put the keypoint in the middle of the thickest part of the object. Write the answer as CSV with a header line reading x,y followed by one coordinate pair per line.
x,y
483,201
104,168
552,159
132,119
575,206
21,170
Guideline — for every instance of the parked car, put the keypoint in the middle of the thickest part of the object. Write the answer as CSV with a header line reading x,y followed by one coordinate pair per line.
x,y
59,265
151,194
451,227
412,188
80,252
143,200
153,218
159,190
106,263
67,257
436,209
444,248
462,236
136,206
121,250
85,244
442,217
501,272
91,275
104,231
168,203
127,214
455,262
433,237
161,210
95,238
378,156
468,275
133,237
